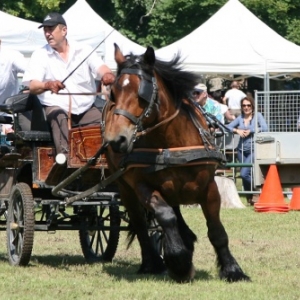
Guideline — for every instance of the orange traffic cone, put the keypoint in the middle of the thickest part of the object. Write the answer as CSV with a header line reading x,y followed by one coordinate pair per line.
x,y
295,201
271,198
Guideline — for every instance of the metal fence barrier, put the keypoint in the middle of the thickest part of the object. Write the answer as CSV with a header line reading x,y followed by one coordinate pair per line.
x,y
228,145
281,110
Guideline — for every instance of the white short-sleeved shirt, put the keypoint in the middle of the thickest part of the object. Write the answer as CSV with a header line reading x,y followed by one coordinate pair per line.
x,y
46,64
234,97
11,63
224,109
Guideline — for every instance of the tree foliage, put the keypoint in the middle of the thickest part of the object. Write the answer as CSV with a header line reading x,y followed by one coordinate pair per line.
x,y
161,22
34,10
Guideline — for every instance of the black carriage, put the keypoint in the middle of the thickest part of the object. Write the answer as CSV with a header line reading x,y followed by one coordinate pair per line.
x,y
38,193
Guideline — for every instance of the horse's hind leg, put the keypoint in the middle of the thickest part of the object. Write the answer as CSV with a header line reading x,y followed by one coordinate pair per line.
x,y
229,269
152,263
178,253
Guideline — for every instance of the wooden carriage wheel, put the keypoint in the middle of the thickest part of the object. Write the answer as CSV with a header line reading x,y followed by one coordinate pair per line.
x,y
20,225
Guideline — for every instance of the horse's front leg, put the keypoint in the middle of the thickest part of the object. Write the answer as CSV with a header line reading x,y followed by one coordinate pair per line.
x,y
229,268
178,257
187,235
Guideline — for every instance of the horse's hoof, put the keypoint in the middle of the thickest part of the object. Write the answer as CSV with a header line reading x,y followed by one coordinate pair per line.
x,y
157,269
235,277
184,279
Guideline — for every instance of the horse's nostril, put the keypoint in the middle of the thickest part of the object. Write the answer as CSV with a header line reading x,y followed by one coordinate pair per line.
x,y
119,144
122,139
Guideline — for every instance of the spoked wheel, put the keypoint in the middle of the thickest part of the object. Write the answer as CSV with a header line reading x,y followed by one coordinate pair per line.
x,y
3,210
99,241
20,225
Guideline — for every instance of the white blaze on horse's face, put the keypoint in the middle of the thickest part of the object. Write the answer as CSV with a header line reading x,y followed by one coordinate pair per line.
x,y
125,82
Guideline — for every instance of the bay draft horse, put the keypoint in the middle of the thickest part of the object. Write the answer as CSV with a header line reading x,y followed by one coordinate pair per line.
x,y
165,147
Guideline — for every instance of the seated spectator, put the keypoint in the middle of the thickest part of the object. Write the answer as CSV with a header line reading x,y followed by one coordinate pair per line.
x,y
244,126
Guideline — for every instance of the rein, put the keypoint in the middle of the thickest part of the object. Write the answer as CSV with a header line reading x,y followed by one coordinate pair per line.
x,y
147,130
86,94
70,103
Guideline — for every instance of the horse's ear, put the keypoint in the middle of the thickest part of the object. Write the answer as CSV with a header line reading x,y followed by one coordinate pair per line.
x,y
149,56
119,57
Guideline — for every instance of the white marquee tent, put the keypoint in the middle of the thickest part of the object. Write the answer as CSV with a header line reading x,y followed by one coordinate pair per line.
x,y
232,41
92,25
24,35
20,34
235,41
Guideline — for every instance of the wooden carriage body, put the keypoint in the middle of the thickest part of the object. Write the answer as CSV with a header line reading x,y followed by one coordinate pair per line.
x,y
31,156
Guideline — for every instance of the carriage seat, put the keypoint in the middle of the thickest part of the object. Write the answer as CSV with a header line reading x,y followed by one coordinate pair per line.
x,y
6,120
17,103
34,136
25,102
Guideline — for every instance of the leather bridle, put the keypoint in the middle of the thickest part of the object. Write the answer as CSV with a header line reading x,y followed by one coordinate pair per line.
x,y
148,91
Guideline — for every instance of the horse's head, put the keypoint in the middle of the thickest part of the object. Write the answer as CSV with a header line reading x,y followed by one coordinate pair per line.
x,y
147,94
133,99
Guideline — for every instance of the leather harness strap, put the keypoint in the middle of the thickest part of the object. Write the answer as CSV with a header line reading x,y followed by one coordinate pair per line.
x,y
158,159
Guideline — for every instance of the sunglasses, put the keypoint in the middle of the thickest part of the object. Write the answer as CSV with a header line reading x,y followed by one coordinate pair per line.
x,y
197,93
246,105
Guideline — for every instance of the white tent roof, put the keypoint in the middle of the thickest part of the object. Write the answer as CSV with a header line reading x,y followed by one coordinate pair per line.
x,y
24,35
20,34
235,41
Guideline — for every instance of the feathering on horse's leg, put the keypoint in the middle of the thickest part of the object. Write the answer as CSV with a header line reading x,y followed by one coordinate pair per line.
x,y
177,256
187,235
152,263
229,269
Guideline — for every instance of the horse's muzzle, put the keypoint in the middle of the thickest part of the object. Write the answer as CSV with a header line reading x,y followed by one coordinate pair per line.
x,y
121,144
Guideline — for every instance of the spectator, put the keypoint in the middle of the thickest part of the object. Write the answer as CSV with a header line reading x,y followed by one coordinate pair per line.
x,y
233,99
52,64
227,116
244,126
201,97
12,62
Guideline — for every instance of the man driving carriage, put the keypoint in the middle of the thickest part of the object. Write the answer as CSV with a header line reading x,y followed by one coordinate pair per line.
x,y
50,70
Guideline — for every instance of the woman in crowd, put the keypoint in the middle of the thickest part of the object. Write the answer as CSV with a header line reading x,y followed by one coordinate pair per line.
x,y
244,126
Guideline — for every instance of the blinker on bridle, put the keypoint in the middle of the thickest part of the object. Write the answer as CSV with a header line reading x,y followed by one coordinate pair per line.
x,y
147,91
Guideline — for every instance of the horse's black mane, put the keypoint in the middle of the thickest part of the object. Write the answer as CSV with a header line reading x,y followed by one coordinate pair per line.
x,y
179,82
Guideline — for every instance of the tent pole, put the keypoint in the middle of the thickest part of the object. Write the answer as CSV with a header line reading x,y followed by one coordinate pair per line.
x,y
266,82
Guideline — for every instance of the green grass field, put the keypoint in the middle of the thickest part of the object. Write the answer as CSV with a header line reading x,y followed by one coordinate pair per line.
x,y
267,247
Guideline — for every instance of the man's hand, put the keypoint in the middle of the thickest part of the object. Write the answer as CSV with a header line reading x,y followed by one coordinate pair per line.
x,y
54,86
108,78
